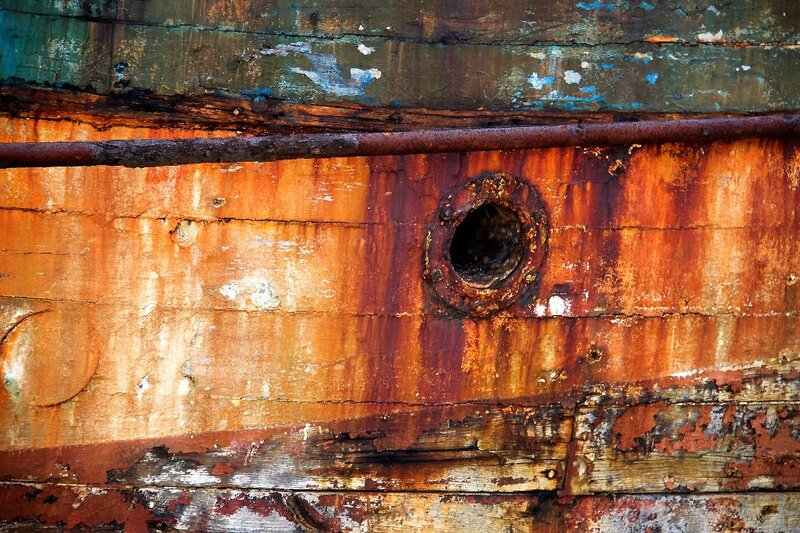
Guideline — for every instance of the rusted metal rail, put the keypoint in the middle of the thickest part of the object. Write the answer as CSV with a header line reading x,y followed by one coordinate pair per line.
x,y
154,153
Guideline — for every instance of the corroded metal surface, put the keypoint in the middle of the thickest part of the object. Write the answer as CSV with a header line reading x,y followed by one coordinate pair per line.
x,y
163,152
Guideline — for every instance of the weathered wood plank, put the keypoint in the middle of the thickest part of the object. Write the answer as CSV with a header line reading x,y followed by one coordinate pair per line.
x,y
507,21
209,114
699,439
627,77
448,448
301,282
750,183
289,267
26,507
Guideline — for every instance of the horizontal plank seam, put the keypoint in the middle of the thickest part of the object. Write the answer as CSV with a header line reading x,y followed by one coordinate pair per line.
x,y
410,314
115,487
347,36
359,224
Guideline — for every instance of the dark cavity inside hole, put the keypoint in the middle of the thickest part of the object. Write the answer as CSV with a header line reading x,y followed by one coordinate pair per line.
x,y
487,245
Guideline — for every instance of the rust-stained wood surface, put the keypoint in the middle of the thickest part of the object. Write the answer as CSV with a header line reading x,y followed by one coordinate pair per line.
x,y
292,345
243,346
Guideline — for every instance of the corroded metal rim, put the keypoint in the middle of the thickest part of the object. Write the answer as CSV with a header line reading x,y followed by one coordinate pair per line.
x,y
159,152
484,299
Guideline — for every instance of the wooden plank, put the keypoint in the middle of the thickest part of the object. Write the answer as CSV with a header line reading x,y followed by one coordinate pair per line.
x,y
640,76
164,369
507,21
749,183
688,439
53,507
252,303
443,448
289,267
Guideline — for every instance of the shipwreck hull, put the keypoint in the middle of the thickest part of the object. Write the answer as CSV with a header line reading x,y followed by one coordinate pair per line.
x,y
174,309
321,309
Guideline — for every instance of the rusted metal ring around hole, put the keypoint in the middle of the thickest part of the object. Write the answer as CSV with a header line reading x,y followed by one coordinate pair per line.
x,y
486,244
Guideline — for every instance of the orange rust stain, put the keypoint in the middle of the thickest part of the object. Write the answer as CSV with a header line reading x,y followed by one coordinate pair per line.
x,y
303,283
691,434
661,39
632,426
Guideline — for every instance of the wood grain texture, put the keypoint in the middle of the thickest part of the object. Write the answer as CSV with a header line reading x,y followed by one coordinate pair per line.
x,y
711,62
41,507
243,289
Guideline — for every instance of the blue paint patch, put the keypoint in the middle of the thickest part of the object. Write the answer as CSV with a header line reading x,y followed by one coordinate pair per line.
x,y
589,89
635,106
598,6
644,58
572,103
607,66
652,77
647,6
325,71
539,83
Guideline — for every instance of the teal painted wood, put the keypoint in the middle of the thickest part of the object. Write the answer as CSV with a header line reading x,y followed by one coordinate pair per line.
x,y
459,21
109,47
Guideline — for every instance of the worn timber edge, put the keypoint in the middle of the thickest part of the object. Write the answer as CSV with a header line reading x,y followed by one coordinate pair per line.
x,y
270,116
743,423
168,152
704,452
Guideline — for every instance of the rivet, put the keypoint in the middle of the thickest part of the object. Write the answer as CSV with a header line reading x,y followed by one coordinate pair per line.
x,y
436,276
446,213
791,279
529,277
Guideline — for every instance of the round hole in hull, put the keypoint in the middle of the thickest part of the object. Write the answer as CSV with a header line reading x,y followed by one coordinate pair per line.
x,y
487,245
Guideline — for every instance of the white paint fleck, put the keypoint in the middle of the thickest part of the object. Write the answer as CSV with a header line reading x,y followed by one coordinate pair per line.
x,y
255,291
282,50
364,49
686,374
540,309
714,10
264,297
538,82
142,387
229,291
364,76
360,27
708,37
745,67
558,306
585,64
572,77
171,473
